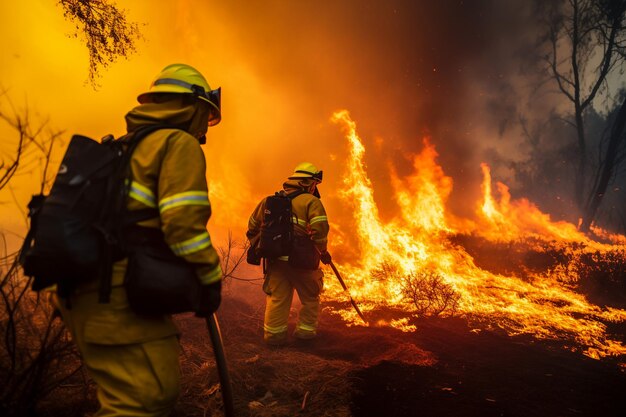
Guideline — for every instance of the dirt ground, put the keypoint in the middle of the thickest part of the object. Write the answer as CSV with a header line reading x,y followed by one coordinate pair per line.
x,y
445,368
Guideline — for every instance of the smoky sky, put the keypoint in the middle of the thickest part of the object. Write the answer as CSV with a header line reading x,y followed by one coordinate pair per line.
x,y
460,72
457,71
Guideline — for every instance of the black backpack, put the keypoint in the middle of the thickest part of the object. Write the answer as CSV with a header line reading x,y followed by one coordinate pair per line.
x,y
76,232
276,236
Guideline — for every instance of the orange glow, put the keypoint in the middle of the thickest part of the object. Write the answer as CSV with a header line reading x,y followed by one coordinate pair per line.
x,y
489,206
543,305
282,72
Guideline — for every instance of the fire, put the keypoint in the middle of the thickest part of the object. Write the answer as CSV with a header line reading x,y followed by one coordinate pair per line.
x,y
507,220
489,205
400,258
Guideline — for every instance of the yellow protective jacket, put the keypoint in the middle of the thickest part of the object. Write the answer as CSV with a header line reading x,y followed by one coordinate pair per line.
x,y
169,174
309,216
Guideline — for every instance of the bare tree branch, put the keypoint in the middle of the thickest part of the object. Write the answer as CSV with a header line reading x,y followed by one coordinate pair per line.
x,y
31,142
105,30
35,353
231,261
592,30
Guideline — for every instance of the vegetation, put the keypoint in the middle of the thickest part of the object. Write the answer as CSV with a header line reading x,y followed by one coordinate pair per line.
x,y
426,290
574,167
105,30
430,294
36,355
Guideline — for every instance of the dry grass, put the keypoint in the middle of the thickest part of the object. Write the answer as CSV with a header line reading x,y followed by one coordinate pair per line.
x,y
426,290
430,295
266,381
36,353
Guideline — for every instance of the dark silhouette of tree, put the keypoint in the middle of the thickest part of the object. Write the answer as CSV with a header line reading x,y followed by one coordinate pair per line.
x,y
32,147
608,166
587,40
105,30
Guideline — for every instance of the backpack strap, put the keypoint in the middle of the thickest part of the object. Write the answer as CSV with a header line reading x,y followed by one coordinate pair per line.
x,y
34,208
291,198
136,216
132,140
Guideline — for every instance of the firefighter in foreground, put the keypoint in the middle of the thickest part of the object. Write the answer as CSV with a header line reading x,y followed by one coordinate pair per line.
x,y
134,359
300,270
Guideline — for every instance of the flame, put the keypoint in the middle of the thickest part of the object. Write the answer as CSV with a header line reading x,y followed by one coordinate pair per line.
x,y
507,220
419,244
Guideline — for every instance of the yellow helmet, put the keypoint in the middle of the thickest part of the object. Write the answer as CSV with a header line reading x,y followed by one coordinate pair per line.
x,y
307,170
185,79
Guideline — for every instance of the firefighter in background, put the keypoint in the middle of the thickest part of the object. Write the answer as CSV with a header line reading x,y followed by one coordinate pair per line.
x,y
282,277
134,359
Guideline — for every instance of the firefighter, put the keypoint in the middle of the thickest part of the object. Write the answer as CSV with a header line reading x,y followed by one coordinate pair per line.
x,y
283,276
134,359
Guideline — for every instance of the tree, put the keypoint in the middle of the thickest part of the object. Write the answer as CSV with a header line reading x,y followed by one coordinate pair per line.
x,y
32,146
105,30
587,40
611,159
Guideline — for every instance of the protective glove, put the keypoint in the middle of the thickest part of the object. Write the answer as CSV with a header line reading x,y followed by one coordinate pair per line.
x,y
210,299
325,257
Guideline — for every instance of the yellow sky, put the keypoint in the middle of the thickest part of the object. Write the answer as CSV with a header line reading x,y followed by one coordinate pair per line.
x,y
284,68
45,68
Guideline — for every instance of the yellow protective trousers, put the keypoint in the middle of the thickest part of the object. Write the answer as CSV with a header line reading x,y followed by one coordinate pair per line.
x,y
132,359
280,281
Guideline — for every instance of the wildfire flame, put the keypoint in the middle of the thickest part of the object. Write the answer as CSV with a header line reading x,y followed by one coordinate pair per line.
x,y
420,241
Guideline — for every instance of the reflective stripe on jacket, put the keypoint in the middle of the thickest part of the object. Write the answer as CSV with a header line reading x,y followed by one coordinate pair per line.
x,y
169,173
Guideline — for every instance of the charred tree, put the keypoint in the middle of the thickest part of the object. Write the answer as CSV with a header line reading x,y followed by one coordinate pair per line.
x,y
587,38
607,168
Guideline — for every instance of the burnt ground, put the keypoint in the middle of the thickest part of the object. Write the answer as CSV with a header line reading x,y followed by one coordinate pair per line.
x,y
448,367
445,368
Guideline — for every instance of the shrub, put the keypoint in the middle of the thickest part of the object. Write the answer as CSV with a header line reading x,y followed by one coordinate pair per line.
x,y
430,294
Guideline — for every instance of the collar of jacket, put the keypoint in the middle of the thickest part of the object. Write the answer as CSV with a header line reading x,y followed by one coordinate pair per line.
x,y
291,186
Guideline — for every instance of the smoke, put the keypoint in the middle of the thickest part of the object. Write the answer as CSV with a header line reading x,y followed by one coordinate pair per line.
x,y
459,72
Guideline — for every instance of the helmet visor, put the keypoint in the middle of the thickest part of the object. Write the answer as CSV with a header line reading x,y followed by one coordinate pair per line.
x,y
215,98
318,176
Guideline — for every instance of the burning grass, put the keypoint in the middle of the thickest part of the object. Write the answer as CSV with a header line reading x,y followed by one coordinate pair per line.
x,y
445,366
599,275
426,290
527,274
430,294
485,302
